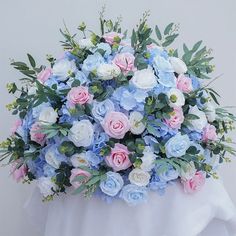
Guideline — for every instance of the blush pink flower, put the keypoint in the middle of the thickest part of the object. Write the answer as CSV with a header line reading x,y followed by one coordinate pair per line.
x,y
76,173
116,124
110,37
18,173
125,61
119,158
184,84
78,95
36,135
209,133
44,75
15,126
176,119
195,184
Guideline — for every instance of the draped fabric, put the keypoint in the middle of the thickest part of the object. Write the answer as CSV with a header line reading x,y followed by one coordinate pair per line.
x,y
209,212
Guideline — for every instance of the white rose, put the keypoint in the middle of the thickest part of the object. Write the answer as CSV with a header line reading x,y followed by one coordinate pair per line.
x,y
63,69
148,159
51,158
197,124
46,185
144,79
48,115
210,111
176,97
136,124
108,71
78,160
178,65
81,133
139,177
188,172
86,43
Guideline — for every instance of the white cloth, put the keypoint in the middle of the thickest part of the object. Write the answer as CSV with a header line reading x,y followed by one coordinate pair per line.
x,y
209,212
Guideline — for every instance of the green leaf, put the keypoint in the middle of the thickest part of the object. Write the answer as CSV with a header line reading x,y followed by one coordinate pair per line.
x,y
214,97
191,117
169,40
196,46
168,28
31,60
93,180
133,38
79,190
158,33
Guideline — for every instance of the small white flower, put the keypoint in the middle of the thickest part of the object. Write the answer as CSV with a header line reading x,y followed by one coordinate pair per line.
x,y
63,69
78,160
188,172
51,158
178,65
139,177
176,97
136,124
81,133
86,43
46,185
108,71
197,124
148,159
144,79
48,115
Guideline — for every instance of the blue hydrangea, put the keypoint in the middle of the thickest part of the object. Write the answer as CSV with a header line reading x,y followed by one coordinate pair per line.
x,y
156,184
166,172
104,47
92,62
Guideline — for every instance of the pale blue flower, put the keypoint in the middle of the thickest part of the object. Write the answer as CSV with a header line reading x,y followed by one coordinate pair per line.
x,y
82,78
167,79
92,62
156,184
48,170
177,145
133,194
94,159
36,110
166,172
162,64
112,184
105,47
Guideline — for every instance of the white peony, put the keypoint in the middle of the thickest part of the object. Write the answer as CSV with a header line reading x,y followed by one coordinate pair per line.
x,y
108,71
46,185
85,43
139,177
148,159
48,115
188,172
144,79
197,124
81,133
136,124
176,97
210,111
78,160
63,69
51,158
178,65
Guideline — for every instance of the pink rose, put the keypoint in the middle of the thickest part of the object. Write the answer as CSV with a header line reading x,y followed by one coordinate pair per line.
x,y
209,133
18,173
184,84
125,61
78,172
15,126
109,37
116,124
79,95
176,119
194,184
44,75
35,134
119,158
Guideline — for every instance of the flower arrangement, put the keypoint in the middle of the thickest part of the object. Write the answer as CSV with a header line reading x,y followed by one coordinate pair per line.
x,y
118,116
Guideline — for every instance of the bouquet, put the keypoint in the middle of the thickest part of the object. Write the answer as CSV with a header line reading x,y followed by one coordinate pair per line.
x,y
118,116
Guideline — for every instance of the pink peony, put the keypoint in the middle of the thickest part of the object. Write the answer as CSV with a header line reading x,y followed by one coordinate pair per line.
x,y
184,84
44,75
119,158
195,184
176,119
18,173
209,133
125,61
109,37
35,134
116,124
15,126
79,95
78,172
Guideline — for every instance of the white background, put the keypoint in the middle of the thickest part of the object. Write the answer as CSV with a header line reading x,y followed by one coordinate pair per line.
x,y
32,26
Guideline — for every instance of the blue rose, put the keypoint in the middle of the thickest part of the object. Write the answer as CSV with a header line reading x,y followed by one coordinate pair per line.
x,y
100,109
112,184
133,194
167,172
177,145
92,62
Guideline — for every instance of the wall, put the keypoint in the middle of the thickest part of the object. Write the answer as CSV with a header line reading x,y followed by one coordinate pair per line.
x,y
32,26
